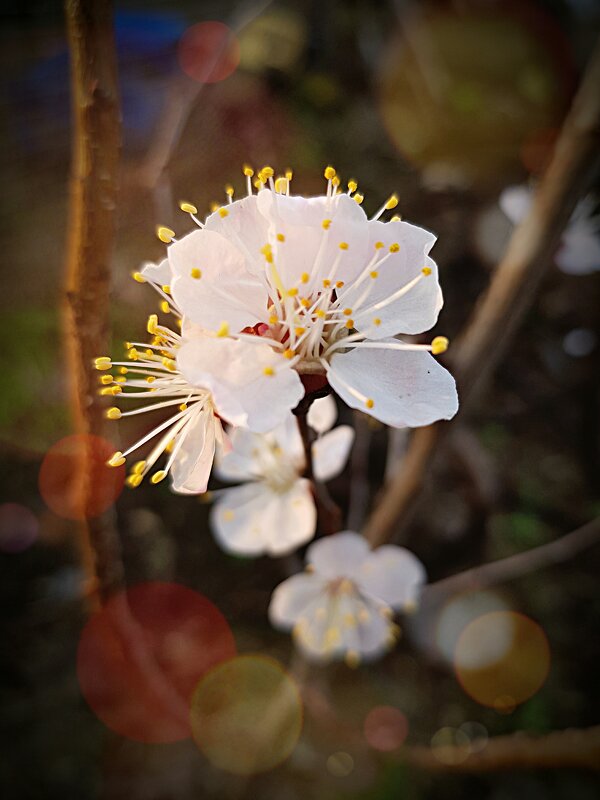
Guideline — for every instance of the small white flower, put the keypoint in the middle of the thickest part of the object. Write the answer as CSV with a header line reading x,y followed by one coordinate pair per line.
x,y
579,251
325,290
342,607
274,512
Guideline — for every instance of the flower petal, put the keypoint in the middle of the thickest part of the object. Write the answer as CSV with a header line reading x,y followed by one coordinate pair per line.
x,y
223,291
413,312
191,469
515,201
244,226
240,463
322,414
159,273
408,387
291,598
330,452
251,383
392,575
339,555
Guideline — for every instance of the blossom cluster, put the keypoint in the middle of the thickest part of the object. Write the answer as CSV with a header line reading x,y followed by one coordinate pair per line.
x,y
279,299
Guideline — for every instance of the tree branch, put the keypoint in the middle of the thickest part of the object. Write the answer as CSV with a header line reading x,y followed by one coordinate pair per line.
x,y
509,296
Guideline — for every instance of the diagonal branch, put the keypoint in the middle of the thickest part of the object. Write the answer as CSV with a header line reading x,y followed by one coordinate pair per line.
x,y
509,296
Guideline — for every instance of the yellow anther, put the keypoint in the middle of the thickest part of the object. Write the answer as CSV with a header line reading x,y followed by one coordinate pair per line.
x,y
359,198
152,323
392,202
158,476
123,370
102,363
166,289
347,311
374,274
289,174
335,181
396,218
377,321
288,353
267,171
229,190
292,292
258,184
426,270
105,379
304,302
223,330
138,467
343,245
394,247
369,402
299,330
110,391
137,276
166,235
332,637
305,277
273,320
133,354
350,324
280,237
133,481
281,185
352,185
269,257
352,659
188,208
149,352
320,313
214,206
196,273
164,307
268,371
169,364
228,515
183,406
170,446
113,413
247,170
378,245
329,173
325,224
326,283
223,212
339,284
116,460
150,379
439,345
120,379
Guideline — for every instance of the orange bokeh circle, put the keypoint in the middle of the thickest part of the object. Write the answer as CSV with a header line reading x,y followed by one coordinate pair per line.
x,y
141,656
208,52
71,464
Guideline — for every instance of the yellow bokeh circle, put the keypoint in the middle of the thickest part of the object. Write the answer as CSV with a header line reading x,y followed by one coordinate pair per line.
x,y
247,715
502,659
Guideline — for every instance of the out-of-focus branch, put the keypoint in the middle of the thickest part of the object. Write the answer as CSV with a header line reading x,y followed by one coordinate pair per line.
x,y
329,513
510,294
508,569
93,193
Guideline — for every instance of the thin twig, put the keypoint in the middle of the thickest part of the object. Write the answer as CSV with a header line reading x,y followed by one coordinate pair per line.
x,y
94,184
509,296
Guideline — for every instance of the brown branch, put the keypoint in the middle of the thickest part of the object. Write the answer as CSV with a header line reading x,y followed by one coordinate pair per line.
x,y
510,294
508,569
328,512
93,193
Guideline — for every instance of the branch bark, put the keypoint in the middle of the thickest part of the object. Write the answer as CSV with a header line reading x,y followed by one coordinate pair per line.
x,y
509,296
93,194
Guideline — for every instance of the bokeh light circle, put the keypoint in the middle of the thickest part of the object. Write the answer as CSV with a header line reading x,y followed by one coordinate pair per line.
x,y
502,659
458,612
208,52
247,715
71,464
19,528
450,746
141,656
340,764
385,728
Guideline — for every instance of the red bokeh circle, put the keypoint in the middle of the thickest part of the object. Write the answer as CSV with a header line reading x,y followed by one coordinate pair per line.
x,y
208,52
385,728
141,656
71,464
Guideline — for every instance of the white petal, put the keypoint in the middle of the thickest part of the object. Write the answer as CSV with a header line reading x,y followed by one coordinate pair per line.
x,y
418,309
308,247
225,292
373,631
330,452
322,414
579,252
515,201
291,598
241,462
252,519
339,555
191,469
157,273
408,388
245,227
234,371
392,575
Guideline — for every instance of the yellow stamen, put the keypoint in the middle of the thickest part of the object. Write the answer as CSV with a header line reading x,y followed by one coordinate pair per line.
x,y
166,235
137,276
223,212
292,292
196,273
392,202
320,313
299,331
268,371
347,311
426,270
374,274
359,198
289,174
305,277
329,173
343,245
339,284
268,171
439,345
133,481
378,245
116,460
247,170
188,208
394,247
102,363
166,289
288,353
350,324
138,467
376,321
273,320
229,190
105,379
352,185
158,476
325,224
369,402
396,218
152,323
183,406
280,237
113,413
165,307
223,330
326,283
281,185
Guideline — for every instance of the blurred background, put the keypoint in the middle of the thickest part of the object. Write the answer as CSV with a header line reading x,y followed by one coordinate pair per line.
x,y
449,104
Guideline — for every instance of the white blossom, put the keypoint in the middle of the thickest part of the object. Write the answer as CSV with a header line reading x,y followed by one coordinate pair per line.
x,y
273,510
579,251
342,607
